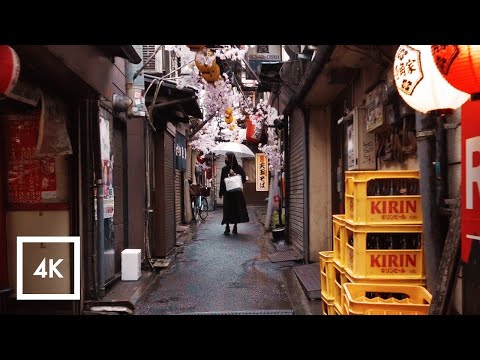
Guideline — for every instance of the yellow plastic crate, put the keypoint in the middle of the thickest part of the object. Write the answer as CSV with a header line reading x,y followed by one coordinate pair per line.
x,y
326,274
339,279
386,259
339,239
328,307
398,209
386,299
392,281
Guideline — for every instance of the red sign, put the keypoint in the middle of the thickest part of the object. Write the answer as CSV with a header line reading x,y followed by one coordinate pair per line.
x,y
30,179
471,182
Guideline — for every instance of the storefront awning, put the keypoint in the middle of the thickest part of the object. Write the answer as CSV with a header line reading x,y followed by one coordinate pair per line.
x,y
177,104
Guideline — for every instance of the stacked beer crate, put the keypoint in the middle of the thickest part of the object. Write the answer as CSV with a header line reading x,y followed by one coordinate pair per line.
x,y
378,250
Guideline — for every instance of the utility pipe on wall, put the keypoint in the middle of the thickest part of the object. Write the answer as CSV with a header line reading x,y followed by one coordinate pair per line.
x,y
431,217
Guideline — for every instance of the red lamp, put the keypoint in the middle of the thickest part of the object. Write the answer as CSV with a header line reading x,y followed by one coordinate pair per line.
x,y
459,65
254,132
9,68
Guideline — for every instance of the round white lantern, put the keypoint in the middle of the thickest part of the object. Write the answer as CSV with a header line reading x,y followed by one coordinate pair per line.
x,y
420,83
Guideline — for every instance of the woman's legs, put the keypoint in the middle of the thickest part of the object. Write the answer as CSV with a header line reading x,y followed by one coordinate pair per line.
x,y
234,228
227,229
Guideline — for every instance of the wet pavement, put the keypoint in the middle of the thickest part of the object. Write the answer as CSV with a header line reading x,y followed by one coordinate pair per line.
x,y
219,273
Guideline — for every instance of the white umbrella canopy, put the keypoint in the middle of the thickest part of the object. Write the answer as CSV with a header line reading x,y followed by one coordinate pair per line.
x,y
238,149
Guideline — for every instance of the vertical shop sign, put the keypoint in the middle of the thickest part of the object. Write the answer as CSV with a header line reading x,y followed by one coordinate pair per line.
x,y
470,216
180,152
107,168
261,162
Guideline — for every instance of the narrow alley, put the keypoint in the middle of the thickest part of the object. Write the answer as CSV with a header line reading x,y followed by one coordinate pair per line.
x,y
352,171
217,273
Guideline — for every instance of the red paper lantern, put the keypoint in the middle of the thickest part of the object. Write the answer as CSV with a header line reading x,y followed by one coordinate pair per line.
x,y
9,68
459,65
254,132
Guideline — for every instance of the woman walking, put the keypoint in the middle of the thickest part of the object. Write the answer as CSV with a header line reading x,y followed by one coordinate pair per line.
x,y
234,206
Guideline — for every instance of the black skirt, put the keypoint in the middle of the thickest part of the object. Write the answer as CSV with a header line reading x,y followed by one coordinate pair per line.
x,y
234,208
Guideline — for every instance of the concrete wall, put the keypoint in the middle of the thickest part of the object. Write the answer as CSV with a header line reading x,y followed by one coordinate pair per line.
x,y
320,184
40,223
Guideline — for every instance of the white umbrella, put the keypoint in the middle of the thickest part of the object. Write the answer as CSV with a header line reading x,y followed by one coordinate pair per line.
x,y
238,149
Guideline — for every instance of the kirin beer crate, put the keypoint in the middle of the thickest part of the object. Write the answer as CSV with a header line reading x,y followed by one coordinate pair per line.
x,y
382,197
339,279
326,274
339,239
386,299
385,252
328,307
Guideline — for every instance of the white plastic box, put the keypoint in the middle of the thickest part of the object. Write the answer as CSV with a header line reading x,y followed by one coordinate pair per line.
x,y
131,264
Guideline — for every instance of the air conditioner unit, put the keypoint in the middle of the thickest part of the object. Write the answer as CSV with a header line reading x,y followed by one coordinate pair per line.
x,y
361,144
161,63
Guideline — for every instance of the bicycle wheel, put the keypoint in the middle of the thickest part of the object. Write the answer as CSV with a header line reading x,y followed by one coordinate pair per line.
x,y
196,210
203,208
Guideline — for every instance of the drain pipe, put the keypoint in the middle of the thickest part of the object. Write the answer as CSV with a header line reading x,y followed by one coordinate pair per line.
x,y
432,234
440,163
135,87
100,291
322,57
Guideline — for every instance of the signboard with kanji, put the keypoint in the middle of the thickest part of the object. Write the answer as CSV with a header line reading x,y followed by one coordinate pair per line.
x,y
471,182
261,173
30,180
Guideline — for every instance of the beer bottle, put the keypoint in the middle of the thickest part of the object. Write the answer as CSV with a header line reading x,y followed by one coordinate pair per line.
x,y
370,187
414,241
389,242
403,241
377,188
350,239
371,241
403,187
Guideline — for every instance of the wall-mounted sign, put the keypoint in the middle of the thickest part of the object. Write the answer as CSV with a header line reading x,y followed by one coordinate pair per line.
x,y
31,180
471,182
261,173
180,152
263,54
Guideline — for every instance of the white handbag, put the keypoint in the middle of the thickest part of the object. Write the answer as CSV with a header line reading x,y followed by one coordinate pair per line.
x,y
234,183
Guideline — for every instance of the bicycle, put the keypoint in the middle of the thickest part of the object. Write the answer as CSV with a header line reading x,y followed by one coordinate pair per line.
x,y
200,207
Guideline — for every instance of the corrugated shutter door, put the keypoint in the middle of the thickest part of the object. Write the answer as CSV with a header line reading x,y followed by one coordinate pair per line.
x,y
169,192
296,179
178,197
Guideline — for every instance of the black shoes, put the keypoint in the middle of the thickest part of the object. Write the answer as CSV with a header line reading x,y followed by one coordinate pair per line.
x,y
234,229
227,230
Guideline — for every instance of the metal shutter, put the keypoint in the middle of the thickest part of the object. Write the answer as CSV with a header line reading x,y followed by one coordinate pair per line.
x,y
169,192
296,176
178,197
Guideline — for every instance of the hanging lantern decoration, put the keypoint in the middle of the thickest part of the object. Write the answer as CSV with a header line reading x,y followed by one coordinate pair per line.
x,y
459,65
254,132
419,82
201,62
9,68
212,75
229,115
